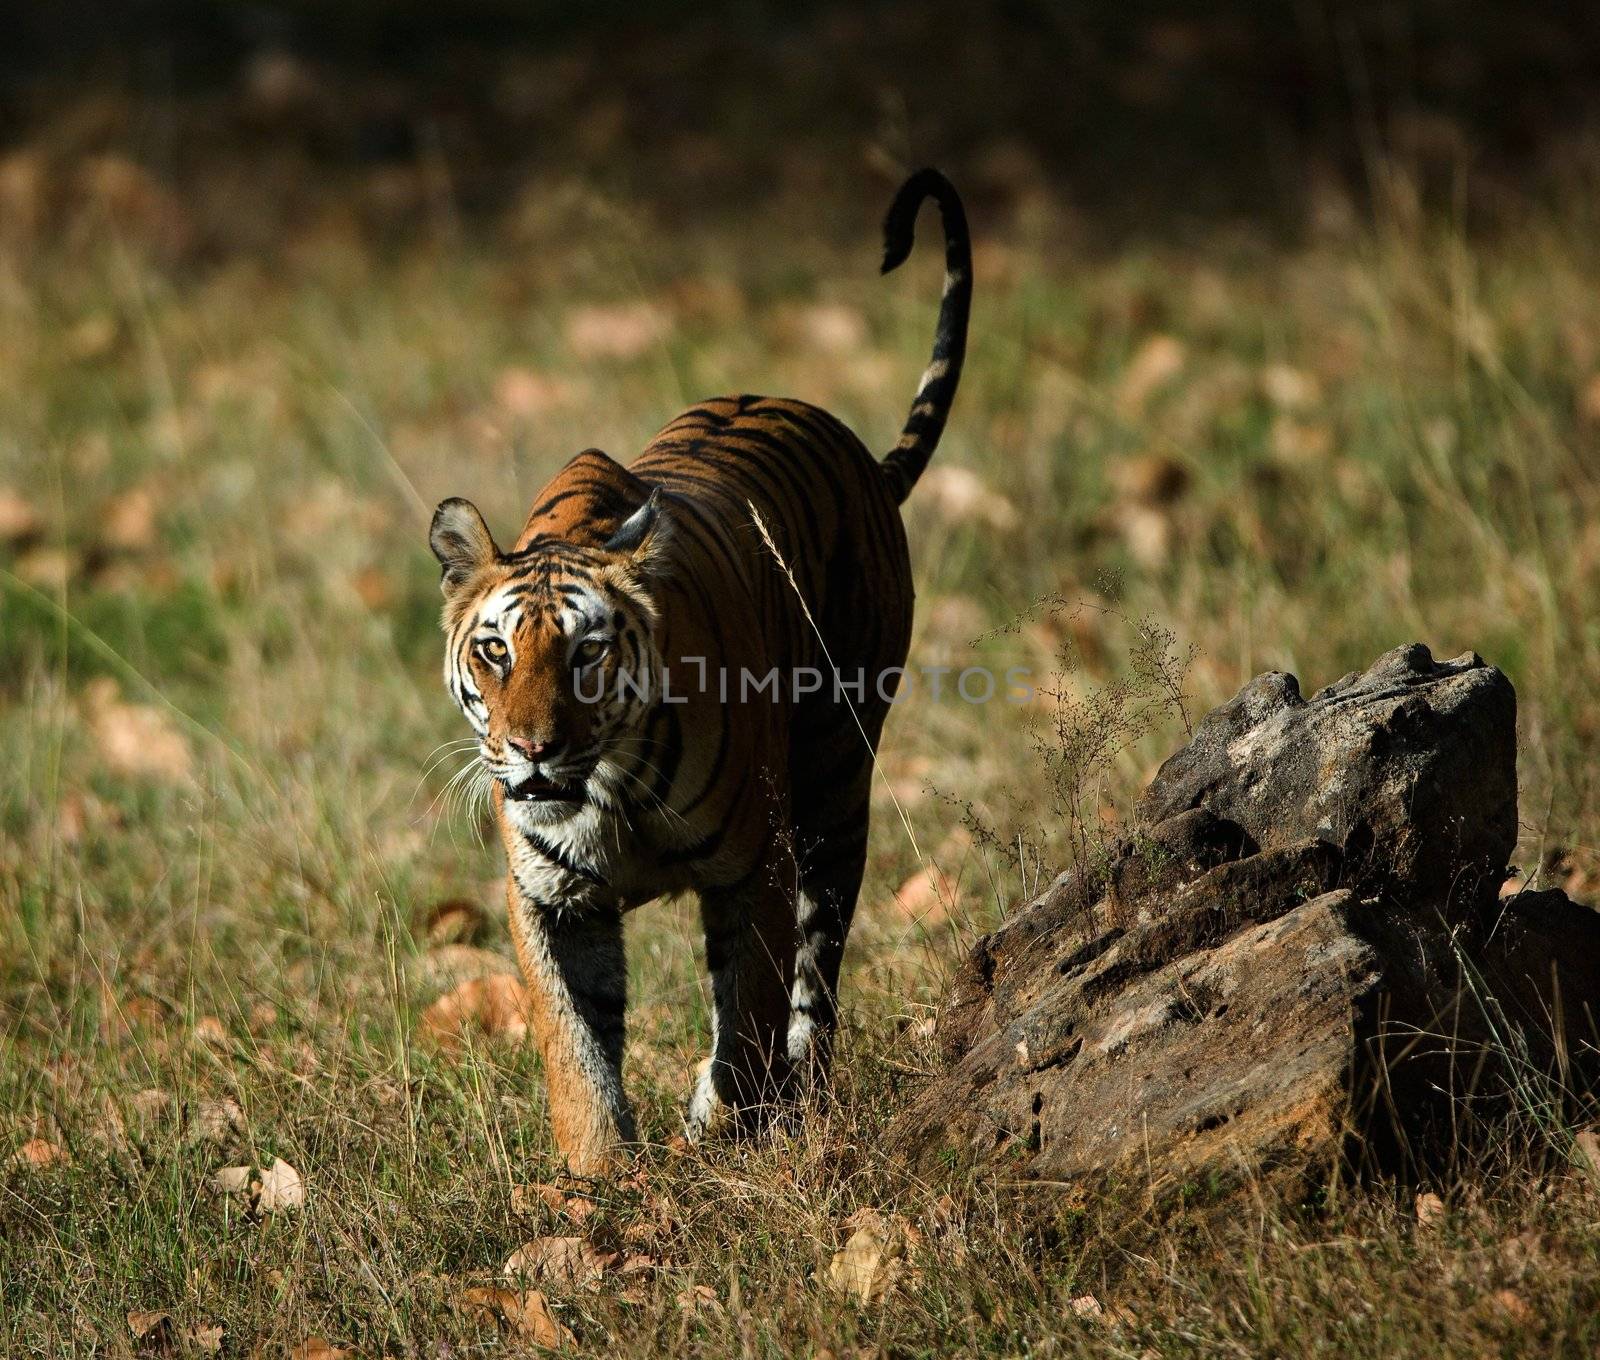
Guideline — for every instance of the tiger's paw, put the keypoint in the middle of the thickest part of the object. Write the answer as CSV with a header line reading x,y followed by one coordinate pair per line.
x,y
708,1114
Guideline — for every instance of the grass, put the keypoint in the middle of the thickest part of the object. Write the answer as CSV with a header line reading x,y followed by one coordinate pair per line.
x,y
1282,455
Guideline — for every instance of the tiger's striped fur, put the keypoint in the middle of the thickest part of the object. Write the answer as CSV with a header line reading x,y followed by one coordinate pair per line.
x,y
760,806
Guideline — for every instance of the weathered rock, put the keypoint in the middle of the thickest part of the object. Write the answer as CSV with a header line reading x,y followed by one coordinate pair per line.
x,y
1301,942
1410,768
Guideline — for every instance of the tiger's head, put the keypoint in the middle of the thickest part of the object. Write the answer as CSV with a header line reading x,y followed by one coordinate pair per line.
x,y
551,651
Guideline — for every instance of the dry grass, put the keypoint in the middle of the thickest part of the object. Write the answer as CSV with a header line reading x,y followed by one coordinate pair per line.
x,y
1288,457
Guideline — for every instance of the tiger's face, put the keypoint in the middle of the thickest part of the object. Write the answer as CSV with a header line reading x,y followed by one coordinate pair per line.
x,y
551,655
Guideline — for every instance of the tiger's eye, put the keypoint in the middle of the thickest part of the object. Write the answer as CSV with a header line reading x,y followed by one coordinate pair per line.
x,y
589,652
493,651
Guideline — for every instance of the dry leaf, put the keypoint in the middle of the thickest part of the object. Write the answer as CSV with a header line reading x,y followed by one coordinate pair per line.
x,y
496,1007
47,568
1429,1208
319,1348
232,1180
128,521
458,920
93,337
869,1265
39,1154
696,1297
1511,1305
566,1262
1154,364
209,1030
281,1188
524,1313
134,739
214,1121
927,896
619,332
832,328
957,494
19,522
523,392
449,965
207,1338
1290,388
1586,1149
153,1332
1149,479
278,1188
553,1197
374,588
1088,1307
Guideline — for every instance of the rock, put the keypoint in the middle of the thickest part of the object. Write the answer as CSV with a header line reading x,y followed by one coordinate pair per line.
x,y
1236,992
1409,768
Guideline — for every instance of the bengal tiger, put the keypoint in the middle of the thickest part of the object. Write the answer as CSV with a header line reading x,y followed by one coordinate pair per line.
x,y
754,537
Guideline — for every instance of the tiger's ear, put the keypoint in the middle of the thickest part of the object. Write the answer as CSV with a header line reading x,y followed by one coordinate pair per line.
x,y
462,543
643,537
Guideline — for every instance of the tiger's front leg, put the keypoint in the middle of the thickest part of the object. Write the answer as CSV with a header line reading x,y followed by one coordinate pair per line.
x,y
577,986
750,951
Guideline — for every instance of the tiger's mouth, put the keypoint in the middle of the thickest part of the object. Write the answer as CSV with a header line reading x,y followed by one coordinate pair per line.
x,y
537,789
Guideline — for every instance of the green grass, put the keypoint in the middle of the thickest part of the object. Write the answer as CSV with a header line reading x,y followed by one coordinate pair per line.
x,y
1367,439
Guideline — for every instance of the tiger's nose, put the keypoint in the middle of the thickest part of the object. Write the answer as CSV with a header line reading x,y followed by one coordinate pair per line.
x,y
534,750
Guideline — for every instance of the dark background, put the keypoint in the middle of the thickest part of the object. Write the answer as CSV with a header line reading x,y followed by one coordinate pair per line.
x,y
1143,116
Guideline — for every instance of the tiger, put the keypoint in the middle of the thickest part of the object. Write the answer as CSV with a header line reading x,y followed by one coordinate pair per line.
x,y
605,663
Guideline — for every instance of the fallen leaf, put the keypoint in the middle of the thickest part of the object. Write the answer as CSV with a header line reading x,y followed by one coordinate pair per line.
x,y
277,1189
134,739
613,332
553,1197
128,521
1147,531
374,588
19,522
281,1188
523,392
868,1266
449,965
566,1262
524,1313
1511,1305
1154,364
153,1331
1586,1149
320,1348
232,1180
1429,1209
957,494
696,1297
1290,388
214,1121
458,920
927,896
496,1007
207,1338
1301,442
209,1030
93,337
40,1155
47,568
1149,479
832,328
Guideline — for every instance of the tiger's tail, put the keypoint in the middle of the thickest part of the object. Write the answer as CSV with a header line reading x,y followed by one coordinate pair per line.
x,y
931,406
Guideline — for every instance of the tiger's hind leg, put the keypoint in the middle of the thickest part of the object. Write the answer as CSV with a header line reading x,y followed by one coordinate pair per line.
x,y
831,826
